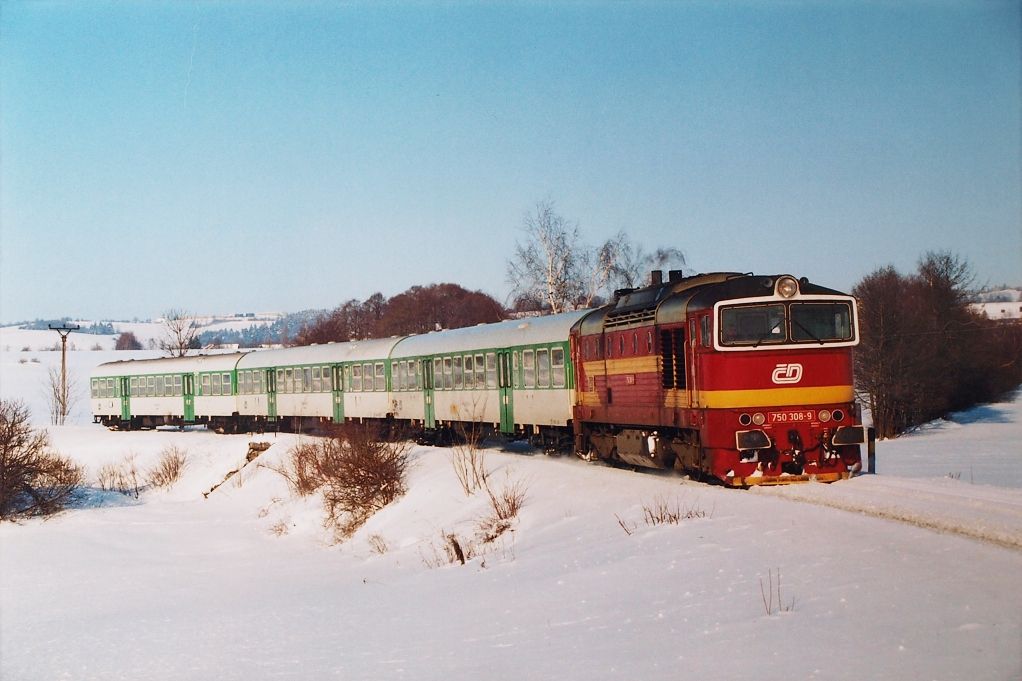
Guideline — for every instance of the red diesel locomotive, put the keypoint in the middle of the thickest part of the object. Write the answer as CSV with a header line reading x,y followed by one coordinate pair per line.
x,y
742,378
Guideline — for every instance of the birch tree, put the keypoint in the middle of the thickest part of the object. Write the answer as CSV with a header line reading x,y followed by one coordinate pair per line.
x,y
555,266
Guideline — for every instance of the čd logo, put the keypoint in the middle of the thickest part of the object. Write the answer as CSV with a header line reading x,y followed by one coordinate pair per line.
x,y
787,373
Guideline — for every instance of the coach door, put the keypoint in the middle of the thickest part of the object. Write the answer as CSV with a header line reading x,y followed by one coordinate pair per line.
x,y
504,384
338,379
188,390
124,384
428,393
271,395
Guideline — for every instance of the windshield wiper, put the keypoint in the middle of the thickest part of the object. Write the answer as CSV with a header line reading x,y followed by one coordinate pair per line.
x,y
811,334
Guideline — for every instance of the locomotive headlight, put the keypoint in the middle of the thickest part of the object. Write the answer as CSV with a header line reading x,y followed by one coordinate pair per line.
x,y
824,416
758,419
787,287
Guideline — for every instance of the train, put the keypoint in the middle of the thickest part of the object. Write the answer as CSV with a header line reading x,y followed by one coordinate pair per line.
x,y
738,378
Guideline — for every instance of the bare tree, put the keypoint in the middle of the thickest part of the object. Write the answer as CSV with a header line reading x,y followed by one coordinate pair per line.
x,y
61,395
633,264
181,333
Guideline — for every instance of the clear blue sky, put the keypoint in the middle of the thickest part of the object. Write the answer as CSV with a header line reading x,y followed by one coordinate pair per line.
x,y
246,156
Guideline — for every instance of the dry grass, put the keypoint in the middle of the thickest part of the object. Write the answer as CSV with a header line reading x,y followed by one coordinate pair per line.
x,y
663,512
450,549
770,590
121,477
505,505
468,460
378,544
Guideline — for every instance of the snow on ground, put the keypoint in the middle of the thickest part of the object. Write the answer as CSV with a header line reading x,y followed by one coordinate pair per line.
x,y
246,583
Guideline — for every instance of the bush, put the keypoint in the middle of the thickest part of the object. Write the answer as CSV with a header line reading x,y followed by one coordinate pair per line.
x,y
168,470
356,473
33,480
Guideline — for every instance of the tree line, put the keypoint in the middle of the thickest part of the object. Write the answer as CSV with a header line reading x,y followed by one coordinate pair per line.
x,y
924,352
420,309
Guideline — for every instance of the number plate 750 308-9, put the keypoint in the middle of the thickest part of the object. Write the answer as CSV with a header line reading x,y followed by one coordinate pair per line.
x,y
801,416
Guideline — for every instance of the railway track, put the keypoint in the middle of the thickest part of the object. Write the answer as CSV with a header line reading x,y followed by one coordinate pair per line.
x,y
986,513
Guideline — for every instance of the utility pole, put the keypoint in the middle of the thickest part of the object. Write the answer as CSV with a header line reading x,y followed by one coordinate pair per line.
x,y
63,331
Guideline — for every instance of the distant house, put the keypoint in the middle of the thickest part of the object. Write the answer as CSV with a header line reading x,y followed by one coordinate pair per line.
x,y
1000,311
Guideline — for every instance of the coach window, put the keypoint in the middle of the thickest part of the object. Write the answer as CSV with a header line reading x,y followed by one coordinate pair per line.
x,y
307,380
469,372
448,373
150,386
438,374
205,385
557,367
458,373
491,370
401,376
543,368
528,369
516,370
228,388
356,377
132,387
216,384
159,386
317,380
381,377
289,380
177,386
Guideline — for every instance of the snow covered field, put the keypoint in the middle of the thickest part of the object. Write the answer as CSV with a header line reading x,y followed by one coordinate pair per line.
x,y
915,573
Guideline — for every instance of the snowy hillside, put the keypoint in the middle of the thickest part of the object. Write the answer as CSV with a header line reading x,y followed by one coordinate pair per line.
x,y
915,573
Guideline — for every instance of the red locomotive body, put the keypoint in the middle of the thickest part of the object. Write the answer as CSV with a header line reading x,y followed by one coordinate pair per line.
x,y
742,378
